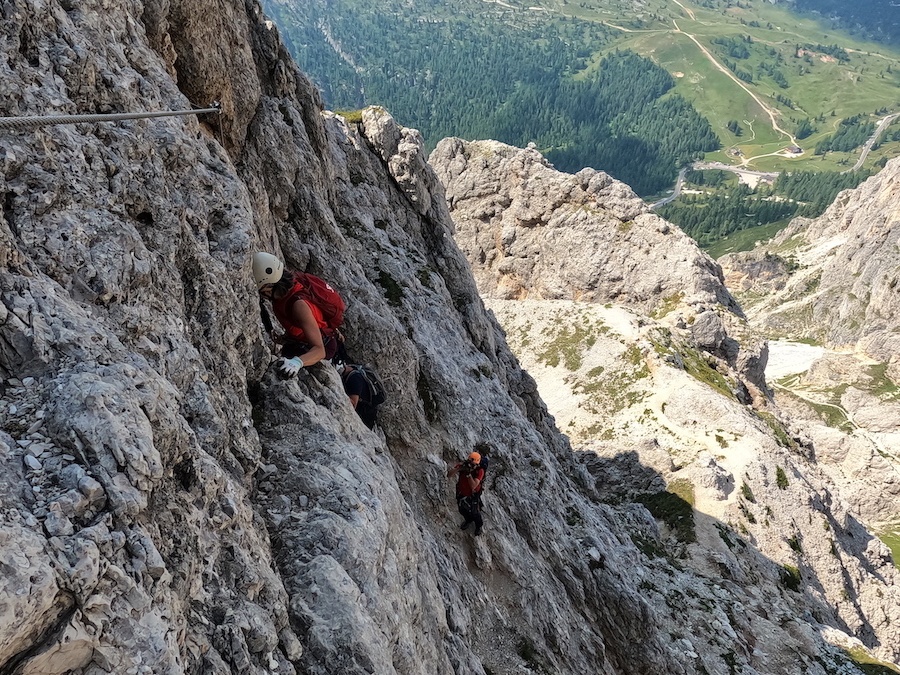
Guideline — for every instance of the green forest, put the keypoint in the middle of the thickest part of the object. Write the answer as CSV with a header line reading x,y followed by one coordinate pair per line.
x,y
711,217
594,84
875,19
852,133
516,83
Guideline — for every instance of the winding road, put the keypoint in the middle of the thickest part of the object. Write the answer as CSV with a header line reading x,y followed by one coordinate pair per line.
x,y
771,112
688,11
675,193
882,124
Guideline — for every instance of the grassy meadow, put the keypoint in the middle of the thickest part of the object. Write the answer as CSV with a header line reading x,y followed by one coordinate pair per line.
x,y
820,87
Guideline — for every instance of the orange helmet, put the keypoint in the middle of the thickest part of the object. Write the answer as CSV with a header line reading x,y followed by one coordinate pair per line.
x,y
475,458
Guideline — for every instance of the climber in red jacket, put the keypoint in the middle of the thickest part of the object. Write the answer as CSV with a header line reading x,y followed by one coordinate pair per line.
x,y
307,317
468,490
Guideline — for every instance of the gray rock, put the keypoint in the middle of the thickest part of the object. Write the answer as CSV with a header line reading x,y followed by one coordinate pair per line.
x,y
90,488
290,644
126,293
57,524
532,232
840,269
708,331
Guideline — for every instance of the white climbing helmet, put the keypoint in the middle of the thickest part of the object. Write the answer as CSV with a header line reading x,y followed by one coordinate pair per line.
x,y
267,269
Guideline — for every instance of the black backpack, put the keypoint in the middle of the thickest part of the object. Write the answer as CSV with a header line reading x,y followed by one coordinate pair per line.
x,y
377,395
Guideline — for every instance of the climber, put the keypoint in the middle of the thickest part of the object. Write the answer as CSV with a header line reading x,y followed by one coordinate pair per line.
x,y
310,326
468,490
364,389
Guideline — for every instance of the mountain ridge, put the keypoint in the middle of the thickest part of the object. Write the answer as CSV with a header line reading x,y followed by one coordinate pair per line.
x,y
612,379
838,268
172,506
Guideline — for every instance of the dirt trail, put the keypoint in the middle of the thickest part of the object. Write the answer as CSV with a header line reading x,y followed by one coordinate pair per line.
x,y
769,111
690,12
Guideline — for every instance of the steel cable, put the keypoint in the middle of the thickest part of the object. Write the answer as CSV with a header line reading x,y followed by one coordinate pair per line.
x,y
39,121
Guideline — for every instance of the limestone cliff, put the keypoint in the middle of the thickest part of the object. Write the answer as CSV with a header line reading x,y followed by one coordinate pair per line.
x,y
833,281
531,232
515,214
667,386
169,506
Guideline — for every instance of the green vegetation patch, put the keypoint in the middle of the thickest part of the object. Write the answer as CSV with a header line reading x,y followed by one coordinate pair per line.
x,y
869,664
729,537
748,514
568,346
675,507
745,240
730,210
782,436
392,290
851,133
790,578
694,361
748,493
429,403
709,218
352,116
781,479
891,538
614,85
684,489
815,190
874,381
696,365
649,547
881,385
541,77
610,390
424,277
832,415
668,305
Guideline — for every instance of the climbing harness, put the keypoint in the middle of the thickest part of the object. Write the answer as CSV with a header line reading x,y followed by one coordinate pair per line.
x,y
38,121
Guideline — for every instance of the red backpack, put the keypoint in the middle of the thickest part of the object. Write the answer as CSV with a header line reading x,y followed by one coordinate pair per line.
x,y
322,295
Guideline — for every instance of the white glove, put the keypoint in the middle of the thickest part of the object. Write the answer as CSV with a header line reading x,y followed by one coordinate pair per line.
x,y
290,367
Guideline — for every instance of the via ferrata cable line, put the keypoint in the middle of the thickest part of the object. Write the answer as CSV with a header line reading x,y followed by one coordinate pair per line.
x,y
50,120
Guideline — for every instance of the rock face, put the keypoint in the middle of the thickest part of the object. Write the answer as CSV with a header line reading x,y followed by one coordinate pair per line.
x,y
530,231
614,379
669,389
169,506
834,278
833,281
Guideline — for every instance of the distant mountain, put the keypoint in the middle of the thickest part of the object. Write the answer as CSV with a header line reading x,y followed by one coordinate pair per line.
x,y
833,280
634,91
504,63
832,283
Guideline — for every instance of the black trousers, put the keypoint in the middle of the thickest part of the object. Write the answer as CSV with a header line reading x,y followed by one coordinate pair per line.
x,y
470,509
